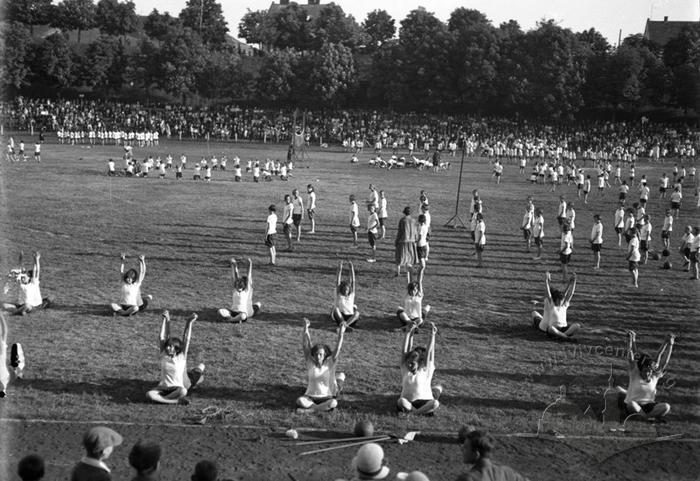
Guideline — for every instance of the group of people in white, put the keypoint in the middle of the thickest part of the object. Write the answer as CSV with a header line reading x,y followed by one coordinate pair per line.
x,y
146,138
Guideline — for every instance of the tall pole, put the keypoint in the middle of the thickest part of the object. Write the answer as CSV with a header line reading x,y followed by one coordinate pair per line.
x,y
456,218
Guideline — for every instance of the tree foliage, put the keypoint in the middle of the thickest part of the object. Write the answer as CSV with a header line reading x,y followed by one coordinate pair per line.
x,y
206,18
115,18
14,42
74,15
378,27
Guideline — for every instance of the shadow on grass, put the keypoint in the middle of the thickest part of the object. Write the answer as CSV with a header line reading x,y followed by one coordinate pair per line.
x,y
118,390
267,396
101,309
505,404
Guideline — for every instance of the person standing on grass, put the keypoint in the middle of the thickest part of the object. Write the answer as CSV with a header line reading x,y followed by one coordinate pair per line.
x,y
242,307
131,300
354,219
586,189
417,369
405,244
566,248
667,229
479,238
373,197
382,213
344,308
372,230
477,447
644,374
620,222
412,313
99,442
16,359
324,384
561,211
270,231
645,238
556,303
538,233
630,223
526,227
175,380
596,240
633,255
694,246
311,210
29,294
287,220
686,240
422,245
676,199
623,190
297,212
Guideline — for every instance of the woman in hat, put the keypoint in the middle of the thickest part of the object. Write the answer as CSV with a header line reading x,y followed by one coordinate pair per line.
x,y
321,362
131,300
175,381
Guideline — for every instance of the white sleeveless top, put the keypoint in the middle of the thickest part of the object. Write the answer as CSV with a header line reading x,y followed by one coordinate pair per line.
x,y
242,301
131,294
322,381
172,370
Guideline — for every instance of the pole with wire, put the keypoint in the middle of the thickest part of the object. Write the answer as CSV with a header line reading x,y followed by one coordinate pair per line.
x,y
456,218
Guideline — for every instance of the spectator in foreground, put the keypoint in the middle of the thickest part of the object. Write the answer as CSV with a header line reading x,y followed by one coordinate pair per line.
x,y
31,468
477,447
145,459
99,442
205,471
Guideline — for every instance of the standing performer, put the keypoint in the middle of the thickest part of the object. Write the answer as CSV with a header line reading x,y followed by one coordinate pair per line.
x,y
479,238
526,226
311,210
372,230
324,385
270,231
644,374
417,369
556,303
596,240
405,243
242,307
131,301
634,255
354,219
297,212
565,249
287,220
29,295
382,213
538,233
344,308
175,381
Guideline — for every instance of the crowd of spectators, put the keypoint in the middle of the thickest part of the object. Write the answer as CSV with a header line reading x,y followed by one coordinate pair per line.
x,y
354,129
145,458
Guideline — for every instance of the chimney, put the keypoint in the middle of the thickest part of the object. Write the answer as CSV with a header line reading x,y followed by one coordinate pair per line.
x,y
666,18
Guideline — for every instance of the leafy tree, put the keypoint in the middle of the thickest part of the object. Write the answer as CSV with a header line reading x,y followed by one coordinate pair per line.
x,y
14,40
379,27
251,26
102,64
333,74
180,62
595,41
475,57
287,27
424,48
29,12
158,25
218,71
509,84
115,18
206,18
681,57
384,86
333,26
74,15
277,76
51,61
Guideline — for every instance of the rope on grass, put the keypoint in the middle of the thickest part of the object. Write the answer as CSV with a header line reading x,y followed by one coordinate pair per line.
x,y
562,395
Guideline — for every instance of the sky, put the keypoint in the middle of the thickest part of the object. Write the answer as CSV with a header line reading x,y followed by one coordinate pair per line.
x,y
606,16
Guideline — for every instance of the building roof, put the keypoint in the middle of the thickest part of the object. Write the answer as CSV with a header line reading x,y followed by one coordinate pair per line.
x,y
661,31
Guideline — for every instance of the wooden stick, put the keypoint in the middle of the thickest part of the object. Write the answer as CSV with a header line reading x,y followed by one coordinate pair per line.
x,y
339,440
333,448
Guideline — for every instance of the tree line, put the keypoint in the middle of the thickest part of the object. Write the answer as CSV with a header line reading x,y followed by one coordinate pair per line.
x,y
325,59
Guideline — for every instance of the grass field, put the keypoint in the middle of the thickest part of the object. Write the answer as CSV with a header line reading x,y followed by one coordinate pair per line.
x,y
498,373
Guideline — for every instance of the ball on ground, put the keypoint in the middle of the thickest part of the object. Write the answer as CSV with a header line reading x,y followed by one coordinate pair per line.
x,y
364,428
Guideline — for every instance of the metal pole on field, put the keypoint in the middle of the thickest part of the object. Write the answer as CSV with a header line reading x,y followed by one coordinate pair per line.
x,y
456,218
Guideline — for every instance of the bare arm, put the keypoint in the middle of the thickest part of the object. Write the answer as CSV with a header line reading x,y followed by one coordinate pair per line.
x,y
631,348
670,340
570,289
306,340
121,267
234,270
142,267
164,330
37,265
548,290
340,274
187,334
408,342
339,344
431,347
250,273
352,277
3,329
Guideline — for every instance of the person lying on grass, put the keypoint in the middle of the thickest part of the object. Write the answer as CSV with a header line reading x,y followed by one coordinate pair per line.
x,y
417,368
242,307
131,300
324,384
644,374
556,303
344,308
412,313
175,381
29,294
